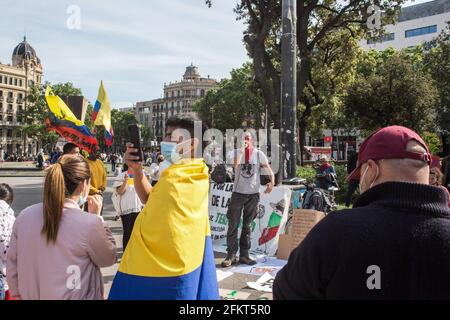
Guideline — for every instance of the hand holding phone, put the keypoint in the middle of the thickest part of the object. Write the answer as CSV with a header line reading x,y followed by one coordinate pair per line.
x,y
135,139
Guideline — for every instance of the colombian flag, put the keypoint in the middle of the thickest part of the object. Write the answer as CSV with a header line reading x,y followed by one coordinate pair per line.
x,y
62,120
170,254
102,114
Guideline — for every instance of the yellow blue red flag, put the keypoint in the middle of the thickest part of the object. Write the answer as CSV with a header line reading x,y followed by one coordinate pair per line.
x,y
170,255
102,114
62,120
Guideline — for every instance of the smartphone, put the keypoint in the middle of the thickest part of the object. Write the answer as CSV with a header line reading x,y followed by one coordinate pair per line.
x,y
135,139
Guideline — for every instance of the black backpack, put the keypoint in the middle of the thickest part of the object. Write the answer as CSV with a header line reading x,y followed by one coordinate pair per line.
x,y
219,174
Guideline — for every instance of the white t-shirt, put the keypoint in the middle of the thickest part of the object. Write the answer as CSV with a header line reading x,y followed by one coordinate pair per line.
x,y
154,171
247,180
128,202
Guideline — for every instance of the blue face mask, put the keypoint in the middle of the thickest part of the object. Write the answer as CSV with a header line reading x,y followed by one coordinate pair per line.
x,y
169,151
82,200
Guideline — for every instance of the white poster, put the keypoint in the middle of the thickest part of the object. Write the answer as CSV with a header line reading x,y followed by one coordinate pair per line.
x,y
269,223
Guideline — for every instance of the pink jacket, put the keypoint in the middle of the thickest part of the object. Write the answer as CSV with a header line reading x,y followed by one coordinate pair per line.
x,y
68,269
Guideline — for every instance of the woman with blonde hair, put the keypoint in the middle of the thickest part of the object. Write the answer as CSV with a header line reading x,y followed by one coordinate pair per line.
x,y
56,249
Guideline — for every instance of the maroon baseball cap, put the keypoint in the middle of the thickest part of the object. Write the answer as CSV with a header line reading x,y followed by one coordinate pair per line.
x,y
389,143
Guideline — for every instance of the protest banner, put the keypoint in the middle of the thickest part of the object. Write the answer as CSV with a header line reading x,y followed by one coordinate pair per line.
x,y
268,224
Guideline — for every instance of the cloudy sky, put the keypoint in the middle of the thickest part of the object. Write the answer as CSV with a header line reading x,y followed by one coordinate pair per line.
x,y
134,48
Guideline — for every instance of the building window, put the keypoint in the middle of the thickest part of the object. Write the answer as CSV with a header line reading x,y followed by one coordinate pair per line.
x,y
18,134
9,118
15,82
10,81
202,93
420,31
383,38
9,133
1,132
21,83
10,107
10,94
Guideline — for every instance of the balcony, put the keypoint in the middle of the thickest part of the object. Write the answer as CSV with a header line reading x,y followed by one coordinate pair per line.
x,y
10,100
20,101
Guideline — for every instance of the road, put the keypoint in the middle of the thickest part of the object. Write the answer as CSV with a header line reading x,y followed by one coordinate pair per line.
x,y
29,190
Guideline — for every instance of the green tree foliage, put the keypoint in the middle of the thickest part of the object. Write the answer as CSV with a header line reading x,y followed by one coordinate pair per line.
x,y
119,121
235,100
316,20
433,142
391,89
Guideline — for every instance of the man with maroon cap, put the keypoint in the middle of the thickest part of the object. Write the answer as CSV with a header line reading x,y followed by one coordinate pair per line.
x,y
393,244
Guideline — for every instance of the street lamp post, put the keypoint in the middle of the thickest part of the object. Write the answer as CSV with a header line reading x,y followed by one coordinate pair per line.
x,y
289,88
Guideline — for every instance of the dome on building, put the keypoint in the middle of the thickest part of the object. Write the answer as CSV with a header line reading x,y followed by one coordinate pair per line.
x,y
24,51
191,72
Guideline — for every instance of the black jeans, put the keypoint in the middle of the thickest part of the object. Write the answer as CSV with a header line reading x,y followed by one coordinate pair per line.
x,y
352,186
241,205
127,224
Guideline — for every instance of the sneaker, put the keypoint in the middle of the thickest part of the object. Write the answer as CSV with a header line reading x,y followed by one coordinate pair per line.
x,y
247,260
229,260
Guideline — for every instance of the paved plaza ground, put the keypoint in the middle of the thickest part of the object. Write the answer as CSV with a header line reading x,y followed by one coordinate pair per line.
x,y
28,191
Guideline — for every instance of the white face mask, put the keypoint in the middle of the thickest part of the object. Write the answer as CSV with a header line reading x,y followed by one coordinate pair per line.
x,y
362,179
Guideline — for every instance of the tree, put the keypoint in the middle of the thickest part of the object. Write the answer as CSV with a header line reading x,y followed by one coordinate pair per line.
x,y
437,63
316,20
235,100
120,121
391,89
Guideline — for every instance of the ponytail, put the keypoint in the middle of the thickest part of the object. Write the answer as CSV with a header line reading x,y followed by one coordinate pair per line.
x,y
61,181
54,198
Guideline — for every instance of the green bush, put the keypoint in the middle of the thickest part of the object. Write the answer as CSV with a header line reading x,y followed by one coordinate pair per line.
x,y
433,141
309,174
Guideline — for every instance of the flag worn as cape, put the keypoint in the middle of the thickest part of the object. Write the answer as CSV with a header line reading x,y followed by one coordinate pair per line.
x,y
62,120
102,114
169,255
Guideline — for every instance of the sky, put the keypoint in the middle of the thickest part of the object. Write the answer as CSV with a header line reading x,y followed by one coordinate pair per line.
x,y
134,48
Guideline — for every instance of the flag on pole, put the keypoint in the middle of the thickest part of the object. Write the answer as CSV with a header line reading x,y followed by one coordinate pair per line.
x,y
62,120
102,114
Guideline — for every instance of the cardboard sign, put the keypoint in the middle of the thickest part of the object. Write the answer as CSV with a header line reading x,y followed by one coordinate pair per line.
x,y
270,218
303,221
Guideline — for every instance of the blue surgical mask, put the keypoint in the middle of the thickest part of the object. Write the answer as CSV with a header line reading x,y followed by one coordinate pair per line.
x,y
82,200
169,151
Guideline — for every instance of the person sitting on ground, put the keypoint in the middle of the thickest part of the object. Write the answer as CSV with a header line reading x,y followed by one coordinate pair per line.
x,y
383,248
54,242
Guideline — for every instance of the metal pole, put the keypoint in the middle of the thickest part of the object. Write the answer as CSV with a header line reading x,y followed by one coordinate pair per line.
x,y
289,88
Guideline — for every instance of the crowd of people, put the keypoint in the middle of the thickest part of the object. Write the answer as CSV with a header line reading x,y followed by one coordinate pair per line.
x,y
393,243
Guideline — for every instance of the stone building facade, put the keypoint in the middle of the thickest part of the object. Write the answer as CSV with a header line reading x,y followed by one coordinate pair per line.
x,y
15,80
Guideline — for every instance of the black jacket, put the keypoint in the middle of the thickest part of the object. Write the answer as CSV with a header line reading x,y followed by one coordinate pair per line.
x,y
401,228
